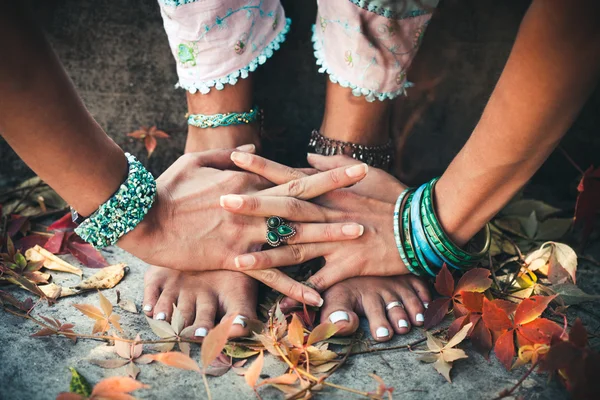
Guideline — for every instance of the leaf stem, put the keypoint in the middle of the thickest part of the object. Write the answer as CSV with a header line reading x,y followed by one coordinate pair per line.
x,y
508,393
208,394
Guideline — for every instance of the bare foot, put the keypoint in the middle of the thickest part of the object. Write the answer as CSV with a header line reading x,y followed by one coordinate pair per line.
x,y
202,298
391,304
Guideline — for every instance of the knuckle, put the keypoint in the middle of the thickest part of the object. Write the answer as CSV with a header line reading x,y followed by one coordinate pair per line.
x,y
328,233
335,176
294,207
296,187
252,203
318,282
298,253
269,276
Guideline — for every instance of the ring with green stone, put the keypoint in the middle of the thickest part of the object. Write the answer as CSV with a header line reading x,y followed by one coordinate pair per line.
x,y
278,231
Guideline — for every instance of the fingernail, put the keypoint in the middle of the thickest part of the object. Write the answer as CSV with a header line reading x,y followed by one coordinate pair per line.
x,y
425,305
161,316
245,261
241,158
419,317
231,201
403,323
240,320
338,316
357,170
246,147
201,332
382,332
313,299
147,308
353,230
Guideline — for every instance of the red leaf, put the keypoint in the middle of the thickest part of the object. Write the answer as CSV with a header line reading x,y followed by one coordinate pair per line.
x,y
508,306
472,301
588,201
27,242
157,133
541,330
87,254
65,223
444,282
578,335
495,318
475,280
16,224
118,384
437,310
54,244
150,143
531,308
140,133
481,338
457,325
505,348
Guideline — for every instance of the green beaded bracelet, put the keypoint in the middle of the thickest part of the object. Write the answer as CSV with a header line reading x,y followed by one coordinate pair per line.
x,y
123,211
229,119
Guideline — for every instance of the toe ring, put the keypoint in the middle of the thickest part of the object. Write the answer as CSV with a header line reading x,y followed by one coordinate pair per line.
x,y
393,304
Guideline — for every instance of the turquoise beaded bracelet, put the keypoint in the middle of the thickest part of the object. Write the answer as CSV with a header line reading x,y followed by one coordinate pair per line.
x,y
229,119
123,211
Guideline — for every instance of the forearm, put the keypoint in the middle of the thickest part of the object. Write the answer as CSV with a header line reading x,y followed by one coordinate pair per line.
x,y
44,121
551,71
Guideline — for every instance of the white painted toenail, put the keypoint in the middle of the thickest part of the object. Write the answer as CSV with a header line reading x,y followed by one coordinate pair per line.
x,y
425,305
419,317
403,323
382,332
148,308
201,332
161,316
338,316
240,320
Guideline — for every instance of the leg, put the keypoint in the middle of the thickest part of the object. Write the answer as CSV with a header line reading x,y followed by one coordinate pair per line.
x,y
369,297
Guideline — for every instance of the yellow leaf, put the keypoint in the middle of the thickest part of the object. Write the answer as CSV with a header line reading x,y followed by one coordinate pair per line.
x,y
50,261
253,372
296,332
459,336
322,332
443,368
434,344
100,326
105,304
90,311
214,342
450,355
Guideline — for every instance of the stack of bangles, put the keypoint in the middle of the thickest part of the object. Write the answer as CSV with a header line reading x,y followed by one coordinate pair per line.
x,y
423,245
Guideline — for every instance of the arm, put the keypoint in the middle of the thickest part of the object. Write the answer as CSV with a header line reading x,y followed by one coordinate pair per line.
x,y
552,69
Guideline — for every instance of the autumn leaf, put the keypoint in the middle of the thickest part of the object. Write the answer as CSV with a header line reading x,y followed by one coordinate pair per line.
x,y
588,201
56,328
130,353
253,372
174,330
443,354
296,332
149,136
175,359
104,317
322,332
215,341
382,388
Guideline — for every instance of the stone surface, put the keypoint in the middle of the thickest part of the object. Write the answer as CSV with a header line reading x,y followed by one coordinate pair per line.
x,y
118,57
37,368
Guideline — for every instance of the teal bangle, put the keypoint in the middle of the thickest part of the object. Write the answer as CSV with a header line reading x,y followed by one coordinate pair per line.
x,y
229,119
413,263
123,211
398,233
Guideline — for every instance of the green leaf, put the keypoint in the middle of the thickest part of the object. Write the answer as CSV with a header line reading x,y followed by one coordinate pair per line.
x,y
20,260
530,224
524,208
571,294
79,384
239,351
553,228
567,258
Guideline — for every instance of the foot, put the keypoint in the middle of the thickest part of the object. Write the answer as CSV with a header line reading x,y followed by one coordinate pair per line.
x,y
202,298
369,297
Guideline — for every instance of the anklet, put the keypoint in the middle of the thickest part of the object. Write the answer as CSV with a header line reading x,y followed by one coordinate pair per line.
x,y
228,119
376,156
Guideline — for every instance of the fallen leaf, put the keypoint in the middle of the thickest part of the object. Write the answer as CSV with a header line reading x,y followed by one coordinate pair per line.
x,y
128,305
254,370
239,351
175,359
296,332
214,342
50,261
116,385
322,332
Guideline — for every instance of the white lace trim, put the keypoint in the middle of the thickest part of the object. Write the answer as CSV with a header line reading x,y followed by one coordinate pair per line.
x,y
370,95
242,73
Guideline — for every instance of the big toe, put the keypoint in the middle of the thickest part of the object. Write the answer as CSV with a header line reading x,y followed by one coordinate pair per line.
x,y
338,309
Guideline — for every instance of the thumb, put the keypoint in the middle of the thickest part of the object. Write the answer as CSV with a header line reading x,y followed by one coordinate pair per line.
x,y
325,163
328,276
219,159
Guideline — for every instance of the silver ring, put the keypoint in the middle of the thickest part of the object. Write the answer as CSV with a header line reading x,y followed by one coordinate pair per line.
x,y
393,304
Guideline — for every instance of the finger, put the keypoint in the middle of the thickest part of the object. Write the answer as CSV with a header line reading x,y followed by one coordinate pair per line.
x,y
265,206
282,256
284,284
274,172
315,185
325,163
219,158
375,311
331,274
317,233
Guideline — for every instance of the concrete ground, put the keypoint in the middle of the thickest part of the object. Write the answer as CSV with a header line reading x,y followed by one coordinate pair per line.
x,y
117,55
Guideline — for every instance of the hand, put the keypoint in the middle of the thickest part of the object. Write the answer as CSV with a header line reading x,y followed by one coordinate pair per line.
x,y
186,229
369,202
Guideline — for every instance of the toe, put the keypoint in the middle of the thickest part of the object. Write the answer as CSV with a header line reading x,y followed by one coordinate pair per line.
x,y
186,304
422,291
240,303
374,308
413,305
164,306
338,309
206,312
152,289
396,313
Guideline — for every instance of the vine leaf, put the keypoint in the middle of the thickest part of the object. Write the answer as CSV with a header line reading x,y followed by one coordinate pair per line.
x,y
149,136
104,317
214,342
252,374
